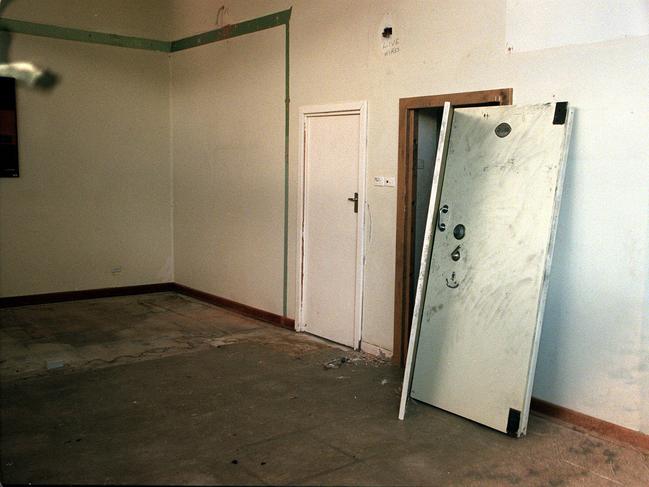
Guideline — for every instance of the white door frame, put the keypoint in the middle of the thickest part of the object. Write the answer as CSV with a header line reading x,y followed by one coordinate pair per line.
x,y
306,112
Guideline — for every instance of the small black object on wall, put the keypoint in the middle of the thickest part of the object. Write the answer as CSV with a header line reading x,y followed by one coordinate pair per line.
x,y
8,129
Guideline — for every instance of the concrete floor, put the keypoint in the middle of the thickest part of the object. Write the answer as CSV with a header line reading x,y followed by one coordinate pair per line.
x,y
163,389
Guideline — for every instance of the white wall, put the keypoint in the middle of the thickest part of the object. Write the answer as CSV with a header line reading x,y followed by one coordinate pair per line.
x,y
94,191
593,355
592,346
142,18
228,152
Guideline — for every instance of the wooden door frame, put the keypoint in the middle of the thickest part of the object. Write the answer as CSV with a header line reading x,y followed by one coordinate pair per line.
x,y
350,108
405,194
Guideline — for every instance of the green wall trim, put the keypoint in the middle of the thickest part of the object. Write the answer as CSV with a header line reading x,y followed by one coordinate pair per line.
x,y
234,30
287,103
80,35
69,34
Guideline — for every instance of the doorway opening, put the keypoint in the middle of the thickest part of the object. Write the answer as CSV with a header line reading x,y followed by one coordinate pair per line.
x,y
419,121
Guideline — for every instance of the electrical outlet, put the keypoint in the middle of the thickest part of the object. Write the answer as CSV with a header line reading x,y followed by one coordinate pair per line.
x,y
116,270
384,181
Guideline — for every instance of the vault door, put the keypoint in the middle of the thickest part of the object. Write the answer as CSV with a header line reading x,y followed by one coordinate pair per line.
x,y
493,232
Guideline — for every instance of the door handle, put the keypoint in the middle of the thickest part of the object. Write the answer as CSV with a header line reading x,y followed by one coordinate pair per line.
x,y
355,200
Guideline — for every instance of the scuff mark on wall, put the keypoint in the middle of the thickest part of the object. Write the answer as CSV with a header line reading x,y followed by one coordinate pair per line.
x,y
369,224
166,272
388,40
223,16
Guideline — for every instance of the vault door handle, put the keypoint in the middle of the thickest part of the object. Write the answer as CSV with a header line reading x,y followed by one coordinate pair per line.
x,y
355,200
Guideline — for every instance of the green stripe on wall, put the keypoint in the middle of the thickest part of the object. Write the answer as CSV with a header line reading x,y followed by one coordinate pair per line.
x,y
287,102
69,34
234,30
79,35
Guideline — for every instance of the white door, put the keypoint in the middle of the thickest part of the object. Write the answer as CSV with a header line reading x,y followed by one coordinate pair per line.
x,y
491,248
331,226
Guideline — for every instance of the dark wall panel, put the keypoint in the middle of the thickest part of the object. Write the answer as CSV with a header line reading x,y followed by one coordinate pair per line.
x,y
8,129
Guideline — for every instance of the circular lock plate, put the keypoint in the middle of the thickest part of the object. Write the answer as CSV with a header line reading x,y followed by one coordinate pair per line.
x,y
503,130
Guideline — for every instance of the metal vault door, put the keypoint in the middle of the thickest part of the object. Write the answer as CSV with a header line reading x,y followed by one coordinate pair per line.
x,y
482,288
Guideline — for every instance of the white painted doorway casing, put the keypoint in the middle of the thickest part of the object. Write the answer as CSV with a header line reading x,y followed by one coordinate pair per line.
x,y
330,247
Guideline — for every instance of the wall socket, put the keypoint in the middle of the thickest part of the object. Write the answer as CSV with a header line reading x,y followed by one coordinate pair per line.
x,y
116,270
388,181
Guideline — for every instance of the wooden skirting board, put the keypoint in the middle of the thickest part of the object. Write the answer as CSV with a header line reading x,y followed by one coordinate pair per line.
x,y
593,425
110,292
596,426
242,309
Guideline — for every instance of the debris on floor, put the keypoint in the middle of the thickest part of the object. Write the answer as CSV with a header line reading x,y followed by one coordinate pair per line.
x,y
357,358
54,364
336,363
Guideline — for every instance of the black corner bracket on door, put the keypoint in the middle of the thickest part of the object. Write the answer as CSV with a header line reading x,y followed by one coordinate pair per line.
x,y
513,422
560,113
